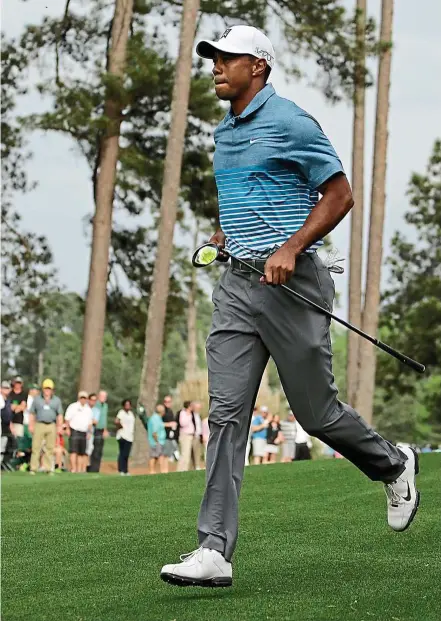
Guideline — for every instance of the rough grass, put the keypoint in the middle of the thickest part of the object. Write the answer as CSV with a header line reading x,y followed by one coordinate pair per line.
x,y
314,546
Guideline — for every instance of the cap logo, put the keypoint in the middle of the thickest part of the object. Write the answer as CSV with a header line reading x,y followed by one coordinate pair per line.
x,y
264,54
226,33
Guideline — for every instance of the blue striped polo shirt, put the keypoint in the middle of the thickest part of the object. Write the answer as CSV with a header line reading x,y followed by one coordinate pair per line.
x,y
269,163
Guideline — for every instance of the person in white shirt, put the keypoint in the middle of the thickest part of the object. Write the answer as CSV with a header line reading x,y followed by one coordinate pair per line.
x,y
78,421
33,392
303,444
125,422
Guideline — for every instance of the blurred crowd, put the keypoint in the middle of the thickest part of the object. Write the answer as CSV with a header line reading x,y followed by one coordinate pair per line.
x,y
35,429
37,435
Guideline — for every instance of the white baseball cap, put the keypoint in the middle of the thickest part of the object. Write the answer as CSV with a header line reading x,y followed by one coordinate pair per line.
x,y
240,40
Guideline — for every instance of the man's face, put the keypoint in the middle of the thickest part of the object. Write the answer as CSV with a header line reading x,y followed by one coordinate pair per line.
x,y
92,401
17,387
102,396
233,74
47,393
83,400
34,392
168,402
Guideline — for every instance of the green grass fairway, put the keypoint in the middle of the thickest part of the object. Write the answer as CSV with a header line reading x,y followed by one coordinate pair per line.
x,y
314,546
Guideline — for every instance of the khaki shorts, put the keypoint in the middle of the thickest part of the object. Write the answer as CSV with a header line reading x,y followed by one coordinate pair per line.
x,y
259,447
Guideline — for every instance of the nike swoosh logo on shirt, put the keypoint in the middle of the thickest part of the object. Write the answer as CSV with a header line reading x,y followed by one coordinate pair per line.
x,y
267,140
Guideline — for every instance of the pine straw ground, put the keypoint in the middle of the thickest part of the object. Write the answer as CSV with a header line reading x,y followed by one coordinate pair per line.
x,y
314,546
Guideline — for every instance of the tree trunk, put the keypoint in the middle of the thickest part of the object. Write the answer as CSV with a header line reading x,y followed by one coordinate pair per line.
x,y
356,251
169,202
40,367
191,318
366,387
95,313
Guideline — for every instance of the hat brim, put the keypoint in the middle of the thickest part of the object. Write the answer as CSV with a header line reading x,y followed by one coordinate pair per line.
x,y
207,49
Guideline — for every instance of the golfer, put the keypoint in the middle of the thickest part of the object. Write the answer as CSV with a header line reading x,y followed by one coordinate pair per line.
x,y
281,189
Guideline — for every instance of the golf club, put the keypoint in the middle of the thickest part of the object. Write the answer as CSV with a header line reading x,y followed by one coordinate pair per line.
x,y
208,253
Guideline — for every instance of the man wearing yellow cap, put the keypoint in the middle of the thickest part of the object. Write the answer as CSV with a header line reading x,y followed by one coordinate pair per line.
x,y
46,414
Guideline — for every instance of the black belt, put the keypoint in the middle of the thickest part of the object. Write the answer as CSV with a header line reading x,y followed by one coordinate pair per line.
x,y
259,264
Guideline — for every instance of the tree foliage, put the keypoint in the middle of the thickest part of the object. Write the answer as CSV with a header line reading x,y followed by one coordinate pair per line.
x,y
411,306
27,270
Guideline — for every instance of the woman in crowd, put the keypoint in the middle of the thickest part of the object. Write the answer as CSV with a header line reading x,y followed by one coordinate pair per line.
x,y
125,423
274,438
187,430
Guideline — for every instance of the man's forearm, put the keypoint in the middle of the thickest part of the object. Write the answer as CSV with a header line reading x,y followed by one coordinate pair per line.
x,y
324,217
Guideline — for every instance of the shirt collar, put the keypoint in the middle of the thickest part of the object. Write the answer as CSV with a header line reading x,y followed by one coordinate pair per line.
x,y
257,102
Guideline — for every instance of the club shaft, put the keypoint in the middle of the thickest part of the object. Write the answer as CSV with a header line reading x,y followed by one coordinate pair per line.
x,y
413,364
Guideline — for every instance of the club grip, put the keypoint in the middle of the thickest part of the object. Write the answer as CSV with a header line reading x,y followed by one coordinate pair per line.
x,y
413,364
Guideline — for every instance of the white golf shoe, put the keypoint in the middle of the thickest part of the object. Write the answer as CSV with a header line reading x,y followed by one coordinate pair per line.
x,y
203,567
402,496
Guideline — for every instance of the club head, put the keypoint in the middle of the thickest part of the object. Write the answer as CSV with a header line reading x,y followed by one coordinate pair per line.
x,y
207,254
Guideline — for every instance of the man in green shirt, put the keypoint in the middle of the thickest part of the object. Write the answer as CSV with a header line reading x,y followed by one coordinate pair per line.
x,y
100,412
45,420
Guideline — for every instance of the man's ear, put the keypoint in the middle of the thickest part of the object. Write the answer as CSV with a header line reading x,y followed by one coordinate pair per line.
x,y
259,67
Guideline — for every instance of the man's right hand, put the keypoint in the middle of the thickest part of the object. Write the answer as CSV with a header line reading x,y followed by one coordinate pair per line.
x,y
218,238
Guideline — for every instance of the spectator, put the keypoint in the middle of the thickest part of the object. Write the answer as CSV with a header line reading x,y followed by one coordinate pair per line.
x,y
171,430
258,429
100,411
78,419
250,433
125,422
92,399
18,400
46,416
186,435
60,451
303,443
6,415
157,436
274,438
34,390
289,429
197,438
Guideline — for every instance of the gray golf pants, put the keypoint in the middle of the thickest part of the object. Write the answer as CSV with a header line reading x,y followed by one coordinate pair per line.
x,y
252,321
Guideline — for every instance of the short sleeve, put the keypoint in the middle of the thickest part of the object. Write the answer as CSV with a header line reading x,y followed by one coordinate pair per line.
x,y
312,151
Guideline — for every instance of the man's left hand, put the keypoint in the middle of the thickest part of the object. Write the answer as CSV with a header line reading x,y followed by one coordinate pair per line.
x,y
280,267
